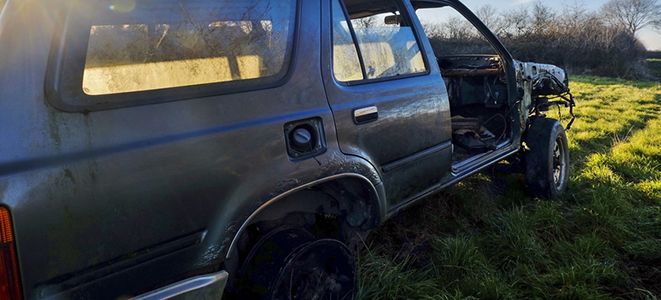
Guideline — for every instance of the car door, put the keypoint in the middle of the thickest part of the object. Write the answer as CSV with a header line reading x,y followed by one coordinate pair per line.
x,y
387,95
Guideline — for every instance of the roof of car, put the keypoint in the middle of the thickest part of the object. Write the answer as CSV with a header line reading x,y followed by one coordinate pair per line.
x,y
362,8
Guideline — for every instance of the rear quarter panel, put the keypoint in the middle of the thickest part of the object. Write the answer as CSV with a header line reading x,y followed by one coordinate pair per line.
x,y
122,201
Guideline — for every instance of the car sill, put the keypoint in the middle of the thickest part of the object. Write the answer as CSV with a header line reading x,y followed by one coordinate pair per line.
x,y
209,286
454,178
470,163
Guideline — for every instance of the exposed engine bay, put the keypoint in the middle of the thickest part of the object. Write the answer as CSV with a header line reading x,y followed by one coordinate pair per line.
x,y
544,87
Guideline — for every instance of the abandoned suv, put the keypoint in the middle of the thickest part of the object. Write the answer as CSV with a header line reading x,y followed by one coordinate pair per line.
x,y
156,149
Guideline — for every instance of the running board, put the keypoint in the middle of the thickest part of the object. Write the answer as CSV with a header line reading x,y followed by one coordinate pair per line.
x,y
453,178
474,161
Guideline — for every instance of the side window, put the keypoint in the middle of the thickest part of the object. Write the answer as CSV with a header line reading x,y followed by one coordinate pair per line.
x,y
385,42
174,43
346,64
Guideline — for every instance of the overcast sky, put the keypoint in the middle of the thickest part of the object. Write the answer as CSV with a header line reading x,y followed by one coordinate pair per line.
x,y
651,39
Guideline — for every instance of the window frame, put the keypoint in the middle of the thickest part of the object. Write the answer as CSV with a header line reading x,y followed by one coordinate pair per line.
x,y
67,59
404,12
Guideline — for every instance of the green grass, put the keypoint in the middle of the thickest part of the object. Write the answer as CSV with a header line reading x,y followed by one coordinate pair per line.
x,y
486,238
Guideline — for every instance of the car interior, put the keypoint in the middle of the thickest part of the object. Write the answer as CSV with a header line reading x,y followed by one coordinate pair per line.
x,y
473,74
475,80
477,89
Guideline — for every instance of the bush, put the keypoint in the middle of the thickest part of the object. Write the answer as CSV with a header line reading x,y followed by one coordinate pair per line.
x,y
579,41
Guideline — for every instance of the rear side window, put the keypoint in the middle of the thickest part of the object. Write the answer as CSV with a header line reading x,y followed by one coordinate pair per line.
x,y
386,44
151,45
346,64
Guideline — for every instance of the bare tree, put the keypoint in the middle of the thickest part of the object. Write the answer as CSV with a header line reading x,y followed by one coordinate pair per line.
x,y
490,17
516,22
433,29
457,28
633,15
367,22
574,14
543,17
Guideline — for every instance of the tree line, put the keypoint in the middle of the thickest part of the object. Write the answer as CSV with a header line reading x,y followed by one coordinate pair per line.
x,y
601,42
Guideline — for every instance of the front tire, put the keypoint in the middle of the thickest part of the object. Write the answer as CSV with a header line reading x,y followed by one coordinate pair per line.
x,y
547,159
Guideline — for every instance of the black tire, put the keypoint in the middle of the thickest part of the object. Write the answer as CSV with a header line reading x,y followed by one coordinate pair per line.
x,y
547,159
290,263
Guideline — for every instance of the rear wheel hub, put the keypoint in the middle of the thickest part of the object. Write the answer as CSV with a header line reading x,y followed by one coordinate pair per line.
x,y
323,269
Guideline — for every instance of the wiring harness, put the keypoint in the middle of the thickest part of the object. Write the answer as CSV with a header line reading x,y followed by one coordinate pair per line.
x,y
549,91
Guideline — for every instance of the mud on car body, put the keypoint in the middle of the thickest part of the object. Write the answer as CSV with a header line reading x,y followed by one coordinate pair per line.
x,y
164,149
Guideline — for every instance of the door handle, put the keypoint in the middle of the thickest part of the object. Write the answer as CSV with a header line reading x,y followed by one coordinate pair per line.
x,y
365,115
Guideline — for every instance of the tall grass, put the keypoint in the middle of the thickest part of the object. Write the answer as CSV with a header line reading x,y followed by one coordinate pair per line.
x,y
485,238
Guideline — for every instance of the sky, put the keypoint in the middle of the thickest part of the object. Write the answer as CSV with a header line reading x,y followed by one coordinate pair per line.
x,y
651,39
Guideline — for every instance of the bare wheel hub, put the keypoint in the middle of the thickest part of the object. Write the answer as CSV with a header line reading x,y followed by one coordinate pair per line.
x,y
323,269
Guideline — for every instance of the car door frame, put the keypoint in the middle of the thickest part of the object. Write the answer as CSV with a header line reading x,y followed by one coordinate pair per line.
x,y
430,162
515,95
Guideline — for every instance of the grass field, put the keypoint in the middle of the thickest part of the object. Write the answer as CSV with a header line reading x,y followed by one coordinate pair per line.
x,y
485,238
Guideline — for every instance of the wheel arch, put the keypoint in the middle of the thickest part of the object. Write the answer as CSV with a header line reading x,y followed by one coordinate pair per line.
x,y
355,194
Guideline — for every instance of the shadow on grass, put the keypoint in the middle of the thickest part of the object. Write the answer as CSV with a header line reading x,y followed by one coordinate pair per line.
x,y
645,111
604,144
